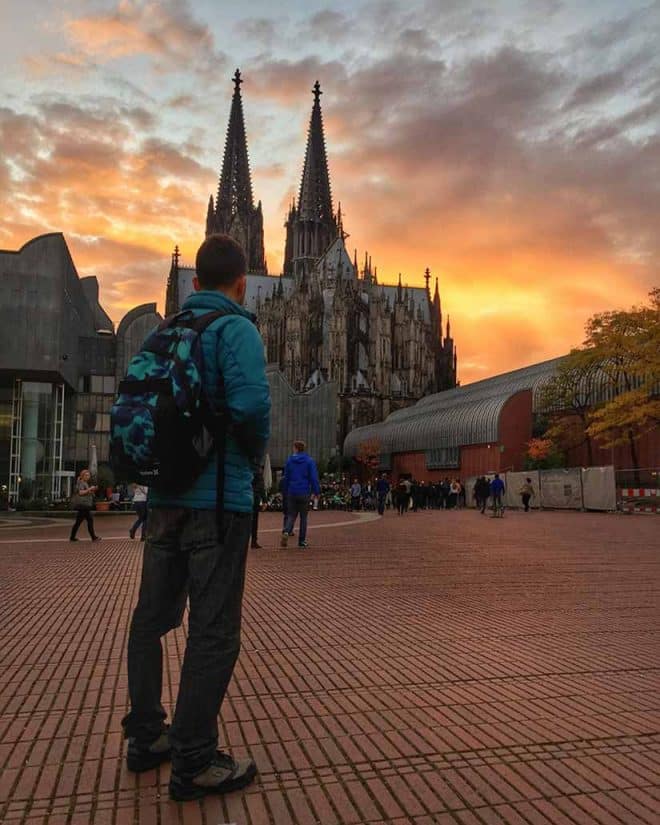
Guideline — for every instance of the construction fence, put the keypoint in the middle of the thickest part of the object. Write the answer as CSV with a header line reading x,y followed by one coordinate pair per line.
x,y
573,488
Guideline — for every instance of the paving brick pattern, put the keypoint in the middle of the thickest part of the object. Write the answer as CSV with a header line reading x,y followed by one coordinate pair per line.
x,y
432,668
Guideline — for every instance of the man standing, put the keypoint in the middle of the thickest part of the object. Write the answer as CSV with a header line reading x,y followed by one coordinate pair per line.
x,y
186,555
300,481
356,492
382,489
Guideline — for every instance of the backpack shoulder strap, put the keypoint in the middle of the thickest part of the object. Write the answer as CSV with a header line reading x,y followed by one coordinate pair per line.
x,y
202,322
198,323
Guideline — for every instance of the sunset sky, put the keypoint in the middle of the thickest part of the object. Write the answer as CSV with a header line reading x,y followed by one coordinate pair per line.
x,y
512,147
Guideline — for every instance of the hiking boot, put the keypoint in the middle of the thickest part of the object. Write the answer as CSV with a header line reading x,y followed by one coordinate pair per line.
x,y
284,541
131,533
256,546
73,538
140,758
303,545
223,775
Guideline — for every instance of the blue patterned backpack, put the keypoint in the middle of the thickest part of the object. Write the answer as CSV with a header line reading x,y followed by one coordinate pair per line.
x,y
162,429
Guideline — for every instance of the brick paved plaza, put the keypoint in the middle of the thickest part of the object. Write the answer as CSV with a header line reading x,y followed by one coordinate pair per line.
x,y
434,668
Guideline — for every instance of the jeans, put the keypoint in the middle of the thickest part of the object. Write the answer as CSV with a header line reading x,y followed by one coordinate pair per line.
x,y
183,557
297,505
255,524
381,503
141,520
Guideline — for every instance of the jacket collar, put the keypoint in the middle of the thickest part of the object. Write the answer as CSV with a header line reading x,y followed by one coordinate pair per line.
x,y
212,300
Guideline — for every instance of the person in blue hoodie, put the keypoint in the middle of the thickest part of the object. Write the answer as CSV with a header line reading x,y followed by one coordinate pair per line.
x,y
496,493
185,556
299,482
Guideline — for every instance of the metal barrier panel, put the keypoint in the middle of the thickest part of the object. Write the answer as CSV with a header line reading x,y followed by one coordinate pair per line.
x,y
469,491
514,481
561,489
598,488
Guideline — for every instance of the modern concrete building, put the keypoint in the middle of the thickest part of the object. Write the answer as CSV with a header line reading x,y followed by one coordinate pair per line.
x,y
60,360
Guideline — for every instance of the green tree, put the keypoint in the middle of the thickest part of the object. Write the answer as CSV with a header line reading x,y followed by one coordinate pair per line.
x,y
568,398
625,348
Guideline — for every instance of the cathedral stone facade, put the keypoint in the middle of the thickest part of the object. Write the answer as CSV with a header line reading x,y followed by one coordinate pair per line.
x,y
326,319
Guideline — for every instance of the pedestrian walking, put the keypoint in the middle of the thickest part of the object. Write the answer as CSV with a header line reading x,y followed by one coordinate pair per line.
x,y
403,495
356,491
198,540
454,492
140,495
83,502
527,493
382,491
481,493
301,480
259,496
496,493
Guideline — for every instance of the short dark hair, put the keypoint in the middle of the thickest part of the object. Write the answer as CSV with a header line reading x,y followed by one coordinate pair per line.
x,y
220,261
299,445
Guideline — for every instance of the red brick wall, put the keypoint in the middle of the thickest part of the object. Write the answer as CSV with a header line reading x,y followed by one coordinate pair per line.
x,y
415,464
648,453
515,430
478,459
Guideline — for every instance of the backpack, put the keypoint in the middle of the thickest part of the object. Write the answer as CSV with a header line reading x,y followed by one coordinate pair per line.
x,y
162,429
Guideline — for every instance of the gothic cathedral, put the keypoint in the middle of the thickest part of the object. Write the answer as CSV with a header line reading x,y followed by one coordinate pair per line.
x,y
325,318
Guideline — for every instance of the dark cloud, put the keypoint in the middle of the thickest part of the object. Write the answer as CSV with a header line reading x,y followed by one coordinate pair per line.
x,y
327,24
261,29
290,81
418,40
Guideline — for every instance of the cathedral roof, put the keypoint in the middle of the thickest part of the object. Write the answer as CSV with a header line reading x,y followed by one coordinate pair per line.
x,y
416,294
257,286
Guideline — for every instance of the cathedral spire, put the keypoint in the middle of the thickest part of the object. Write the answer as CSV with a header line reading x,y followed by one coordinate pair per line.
x,y
427,279
210,217
172,293
235,212
313,226
235,185
315,199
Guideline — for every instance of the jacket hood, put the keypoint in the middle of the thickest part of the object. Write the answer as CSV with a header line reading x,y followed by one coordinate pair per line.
x,y
211,299
299,458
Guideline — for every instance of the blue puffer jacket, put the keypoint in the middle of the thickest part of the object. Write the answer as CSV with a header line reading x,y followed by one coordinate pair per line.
x,y
300,476
233,348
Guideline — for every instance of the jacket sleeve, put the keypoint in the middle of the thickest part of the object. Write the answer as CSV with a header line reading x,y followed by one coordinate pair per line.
x,y
314,478
247,394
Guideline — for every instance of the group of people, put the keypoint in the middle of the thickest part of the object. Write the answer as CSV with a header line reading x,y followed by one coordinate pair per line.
x,y
406,494
82,503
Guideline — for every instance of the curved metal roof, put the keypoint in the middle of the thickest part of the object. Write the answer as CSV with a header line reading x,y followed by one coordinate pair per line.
x,y
454,418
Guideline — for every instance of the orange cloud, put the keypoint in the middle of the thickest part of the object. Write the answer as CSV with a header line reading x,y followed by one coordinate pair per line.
x,y
533,210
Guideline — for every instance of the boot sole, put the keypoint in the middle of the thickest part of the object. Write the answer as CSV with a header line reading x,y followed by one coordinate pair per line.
x,y
141,764
186,790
